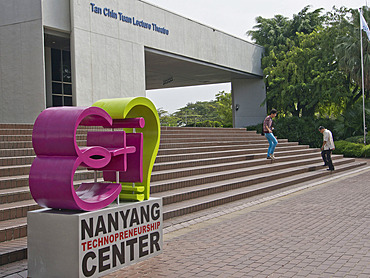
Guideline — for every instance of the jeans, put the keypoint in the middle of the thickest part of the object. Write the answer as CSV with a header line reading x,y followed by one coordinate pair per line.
x,y
326,156
272,143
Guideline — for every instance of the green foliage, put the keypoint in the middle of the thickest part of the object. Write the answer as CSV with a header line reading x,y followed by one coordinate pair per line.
x,y
306,77
207,124
197,112
224,108
166,119
214,113
311,62
366,151
302,129
258,128
347,49
349,149
358,139
350,122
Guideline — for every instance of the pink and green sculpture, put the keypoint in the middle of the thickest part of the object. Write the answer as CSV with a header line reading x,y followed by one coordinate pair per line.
x,y
118,154
124,109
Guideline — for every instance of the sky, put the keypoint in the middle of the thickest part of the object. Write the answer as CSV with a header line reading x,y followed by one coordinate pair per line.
x,y
234,17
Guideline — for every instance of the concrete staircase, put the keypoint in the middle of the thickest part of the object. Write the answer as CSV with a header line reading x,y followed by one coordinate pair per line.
x,y
196,168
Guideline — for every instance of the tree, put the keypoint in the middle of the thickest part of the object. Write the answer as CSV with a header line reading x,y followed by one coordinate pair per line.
x,y
302,75
349,56
350,122
287,77
214,113
197,112
166,119
224,108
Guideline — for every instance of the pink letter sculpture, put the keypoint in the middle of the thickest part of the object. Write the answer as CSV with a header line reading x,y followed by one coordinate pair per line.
x,y
58,156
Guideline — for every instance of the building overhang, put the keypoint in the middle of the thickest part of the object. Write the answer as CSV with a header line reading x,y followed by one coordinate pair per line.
x,y
168,70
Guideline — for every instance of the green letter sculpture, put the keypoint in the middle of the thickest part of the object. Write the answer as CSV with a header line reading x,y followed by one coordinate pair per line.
x,y
122,108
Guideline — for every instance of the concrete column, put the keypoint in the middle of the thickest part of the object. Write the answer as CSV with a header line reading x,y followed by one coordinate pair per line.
x,y
22,78
248,96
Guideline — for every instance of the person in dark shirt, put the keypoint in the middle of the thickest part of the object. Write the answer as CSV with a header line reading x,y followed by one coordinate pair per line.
x,y
267,130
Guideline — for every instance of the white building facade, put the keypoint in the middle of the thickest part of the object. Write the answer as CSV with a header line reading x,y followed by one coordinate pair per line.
x,y
75,52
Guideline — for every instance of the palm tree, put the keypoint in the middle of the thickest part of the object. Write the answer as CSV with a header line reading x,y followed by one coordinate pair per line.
x,y
349,55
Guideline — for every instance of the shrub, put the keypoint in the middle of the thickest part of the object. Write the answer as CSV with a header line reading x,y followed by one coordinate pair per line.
x,y
303,130
206,123
349,149
366,151
258,128
358,139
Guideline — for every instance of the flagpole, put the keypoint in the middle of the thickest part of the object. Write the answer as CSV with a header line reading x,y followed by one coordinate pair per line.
x,y
363,82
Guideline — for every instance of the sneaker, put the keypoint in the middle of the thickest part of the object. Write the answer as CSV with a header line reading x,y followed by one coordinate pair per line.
x,y
272,157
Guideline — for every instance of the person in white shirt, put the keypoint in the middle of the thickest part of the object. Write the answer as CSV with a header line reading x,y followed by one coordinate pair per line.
x,y
327,147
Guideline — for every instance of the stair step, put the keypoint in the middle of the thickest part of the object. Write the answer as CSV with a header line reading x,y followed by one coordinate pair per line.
x,y
17,209
17,152
196,168
257,174
250,165
15,195
17,249
12,251
219,160
83,130
15,156
27,144
4,131
220,136
211,139
22,138
275,169
213,143
13,229
193,205
24,155
210,129
16,126
16,188
22,180
15,145
30,130
249,153
18,170
16,160
187,149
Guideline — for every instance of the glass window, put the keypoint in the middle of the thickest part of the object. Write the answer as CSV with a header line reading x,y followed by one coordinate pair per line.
x,y
67,101
57,100
61,77
56,64
67,88
57,88
67,66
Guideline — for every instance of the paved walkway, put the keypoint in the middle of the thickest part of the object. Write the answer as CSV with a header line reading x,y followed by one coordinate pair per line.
x,y
323,231
312,230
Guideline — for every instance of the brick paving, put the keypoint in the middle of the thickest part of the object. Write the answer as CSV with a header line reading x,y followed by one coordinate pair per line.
x,y
308,231
323,231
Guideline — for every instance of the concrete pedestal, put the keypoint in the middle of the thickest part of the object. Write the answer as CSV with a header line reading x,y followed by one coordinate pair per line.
x,y
93,244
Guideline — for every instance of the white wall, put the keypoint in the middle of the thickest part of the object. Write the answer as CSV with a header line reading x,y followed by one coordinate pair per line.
x,y
22,86
248,94
56,14
108,54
